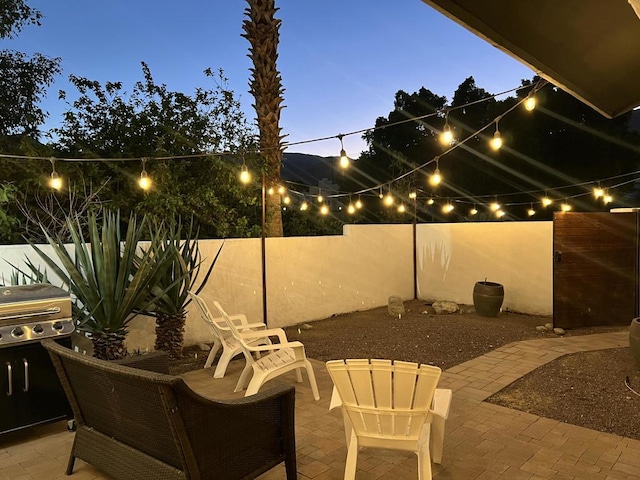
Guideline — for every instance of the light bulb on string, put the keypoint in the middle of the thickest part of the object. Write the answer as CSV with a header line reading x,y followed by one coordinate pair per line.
x,y
500,213
565,206
473,211
546,201
430,201
55,182
358,203
344,159
530,102
271,191
304,206
447,207
598,192
607,198
281,190
436,177
245,175
446,136
531,212
286,200
495,206
144,182
380,194
388,199
320,198
413,195
496,141
351,208
402,208
324,209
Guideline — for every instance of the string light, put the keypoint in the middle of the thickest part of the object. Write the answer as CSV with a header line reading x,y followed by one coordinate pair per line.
x,y
530,102
286,200
607,198
436,177
598,192
320,197
388,198
531,212
144,182
500,213
546,201
473,211
446,137
351,209
55,182
358,203
402,208
565,206
304,206
324,209
281,190
495,206
344,160
496,141
245,175
413,195
447,207
271,191
430,201
380,194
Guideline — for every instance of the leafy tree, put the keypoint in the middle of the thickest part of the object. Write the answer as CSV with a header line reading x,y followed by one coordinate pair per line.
x,y
562,142
104,121
23,84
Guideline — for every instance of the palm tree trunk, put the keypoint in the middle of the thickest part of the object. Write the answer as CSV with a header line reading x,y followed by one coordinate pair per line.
x,y
170,333
261,29
108,345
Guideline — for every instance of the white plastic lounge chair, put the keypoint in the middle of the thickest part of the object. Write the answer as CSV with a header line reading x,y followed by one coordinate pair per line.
x,y
390,405
279,358
223,337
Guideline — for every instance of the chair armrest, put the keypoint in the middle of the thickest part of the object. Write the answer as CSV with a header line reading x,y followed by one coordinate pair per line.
x,y
157,362
277,346
441,402
269,332
223,431
240,325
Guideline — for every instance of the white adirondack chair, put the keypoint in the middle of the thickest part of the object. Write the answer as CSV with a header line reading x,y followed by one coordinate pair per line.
x,y
390,405
222,336
279,358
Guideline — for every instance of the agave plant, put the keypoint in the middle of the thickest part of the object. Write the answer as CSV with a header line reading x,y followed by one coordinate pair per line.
x,y
108,275
178,247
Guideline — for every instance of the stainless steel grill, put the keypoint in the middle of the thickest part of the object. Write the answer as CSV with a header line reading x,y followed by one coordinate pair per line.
x,y
30,313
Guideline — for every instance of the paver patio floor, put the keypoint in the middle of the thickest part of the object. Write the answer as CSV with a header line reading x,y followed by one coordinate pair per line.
x,y
483,441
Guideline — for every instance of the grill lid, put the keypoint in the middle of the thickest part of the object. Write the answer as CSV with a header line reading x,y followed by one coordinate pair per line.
x,y
29,293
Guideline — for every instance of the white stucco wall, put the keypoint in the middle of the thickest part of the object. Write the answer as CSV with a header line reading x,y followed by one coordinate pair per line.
x,y
453,257
310,278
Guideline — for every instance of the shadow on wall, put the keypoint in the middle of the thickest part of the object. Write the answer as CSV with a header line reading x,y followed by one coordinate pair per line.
x,y
434,261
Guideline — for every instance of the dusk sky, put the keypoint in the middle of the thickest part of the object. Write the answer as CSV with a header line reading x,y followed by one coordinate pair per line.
x,y
341,61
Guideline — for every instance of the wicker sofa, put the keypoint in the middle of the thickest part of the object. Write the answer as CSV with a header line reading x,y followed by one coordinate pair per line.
x,y
133,423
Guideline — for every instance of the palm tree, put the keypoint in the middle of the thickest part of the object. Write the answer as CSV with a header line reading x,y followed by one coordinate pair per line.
x,y
261,29
178,248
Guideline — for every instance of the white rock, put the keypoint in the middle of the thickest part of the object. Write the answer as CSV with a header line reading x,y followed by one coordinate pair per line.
x,y
443,306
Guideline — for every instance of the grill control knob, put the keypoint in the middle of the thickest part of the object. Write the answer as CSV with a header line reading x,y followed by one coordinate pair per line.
x,y
38,329
57,326
17,332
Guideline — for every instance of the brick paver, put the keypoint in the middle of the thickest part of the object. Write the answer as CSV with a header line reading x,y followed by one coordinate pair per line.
x,y
483,441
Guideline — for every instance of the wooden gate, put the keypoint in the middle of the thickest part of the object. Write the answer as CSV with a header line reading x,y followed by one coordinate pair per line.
x,y
595,269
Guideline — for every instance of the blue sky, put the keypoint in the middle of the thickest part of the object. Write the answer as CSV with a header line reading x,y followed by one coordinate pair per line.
x,y
341,61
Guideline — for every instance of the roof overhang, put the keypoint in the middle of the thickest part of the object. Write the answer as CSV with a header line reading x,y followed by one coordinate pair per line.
x,y
589,48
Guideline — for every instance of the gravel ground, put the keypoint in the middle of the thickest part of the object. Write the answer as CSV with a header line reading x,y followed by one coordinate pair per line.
x,y
585,389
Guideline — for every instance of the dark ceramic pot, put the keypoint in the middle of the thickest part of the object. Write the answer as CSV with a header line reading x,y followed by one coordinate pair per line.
x,y
487,298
